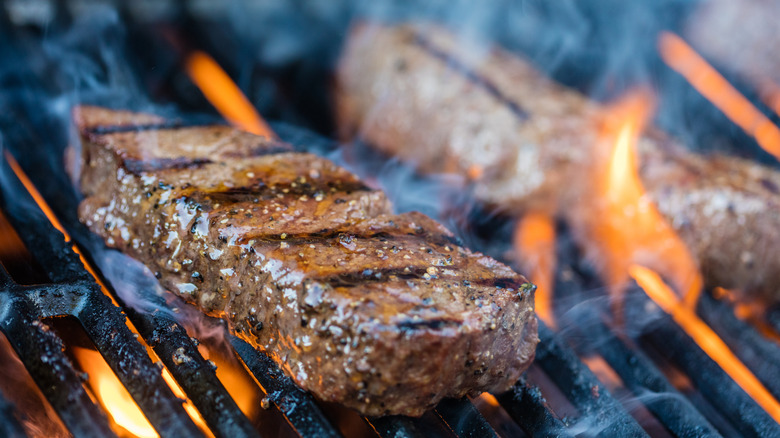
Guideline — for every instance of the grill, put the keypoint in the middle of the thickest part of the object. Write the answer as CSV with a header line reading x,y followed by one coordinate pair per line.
x,y
659,382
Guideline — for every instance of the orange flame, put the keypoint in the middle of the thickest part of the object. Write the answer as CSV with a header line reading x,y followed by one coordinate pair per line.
x,y
234,377
534,243
705,338
625,227
113,396
225,95
707,81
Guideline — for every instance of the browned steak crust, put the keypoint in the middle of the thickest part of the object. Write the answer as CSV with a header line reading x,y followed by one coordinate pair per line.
x,y
429,98
384,313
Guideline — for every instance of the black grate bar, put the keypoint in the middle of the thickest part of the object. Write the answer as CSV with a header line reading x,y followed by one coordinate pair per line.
x,y
104,323
395,427
639,374
760,354
527,407
43,355
106,327
194,374
463,418
583,389
670,341
636,370
298,407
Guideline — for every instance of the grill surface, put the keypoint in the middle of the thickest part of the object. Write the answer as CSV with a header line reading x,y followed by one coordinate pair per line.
x,y
641,354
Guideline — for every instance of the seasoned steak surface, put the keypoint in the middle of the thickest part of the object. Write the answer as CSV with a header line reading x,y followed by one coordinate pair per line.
x,y
384,313
528,144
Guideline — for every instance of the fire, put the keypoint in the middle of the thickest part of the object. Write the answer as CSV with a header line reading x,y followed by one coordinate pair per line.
x,y
683,59
113,396
225,95
623,226
705,338
234,377
534,242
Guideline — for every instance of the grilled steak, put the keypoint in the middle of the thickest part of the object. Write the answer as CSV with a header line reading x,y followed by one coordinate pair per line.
x,y
383,313
527,143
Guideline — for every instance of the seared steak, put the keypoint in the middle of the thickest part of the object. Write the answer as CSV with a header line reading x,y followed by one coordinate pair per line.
x,y
527,143
383,313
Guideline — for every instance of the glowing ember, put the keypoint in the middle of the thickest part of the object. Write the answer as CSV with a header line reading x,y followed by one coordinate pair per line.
x,y
113,396
239,384
623,226
225,95
683,59
603,371
705,338
534,242
489,399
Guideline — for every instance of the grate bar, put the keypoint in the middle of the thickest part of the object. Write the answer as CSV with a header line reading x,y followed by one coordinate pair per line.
x,y
760,354
527,407
102,320
395,427
463,418
42,353
711,381
639,375
582,388
635,369
194,374
297,406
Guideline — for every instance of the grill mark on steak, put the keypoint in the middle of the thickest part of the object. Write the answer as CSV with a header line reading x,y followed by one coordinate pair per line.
x,y
117,129
438,239
383,275
260,151
474,77
259,191
137,166
432,324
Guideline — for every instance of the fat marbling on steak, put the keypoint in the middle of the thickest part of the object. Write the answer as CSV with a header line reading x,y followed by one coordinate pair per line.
x,y
384,313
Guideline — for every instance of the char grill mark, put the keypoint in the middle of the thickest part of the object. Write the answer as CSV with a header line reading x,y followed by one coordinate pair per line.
x,y
151,165
383,275
260,151
438,239
428,324
117,129
471,75
259,191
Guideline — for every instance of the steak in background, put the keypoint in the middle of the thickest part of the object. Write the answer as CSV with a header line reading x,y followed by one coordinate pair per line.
x,y
525,143
384,313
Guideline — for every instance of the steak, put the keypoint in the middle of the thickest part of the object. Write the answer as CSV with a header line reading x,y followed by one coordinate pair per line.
x,y
385,313
525,143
